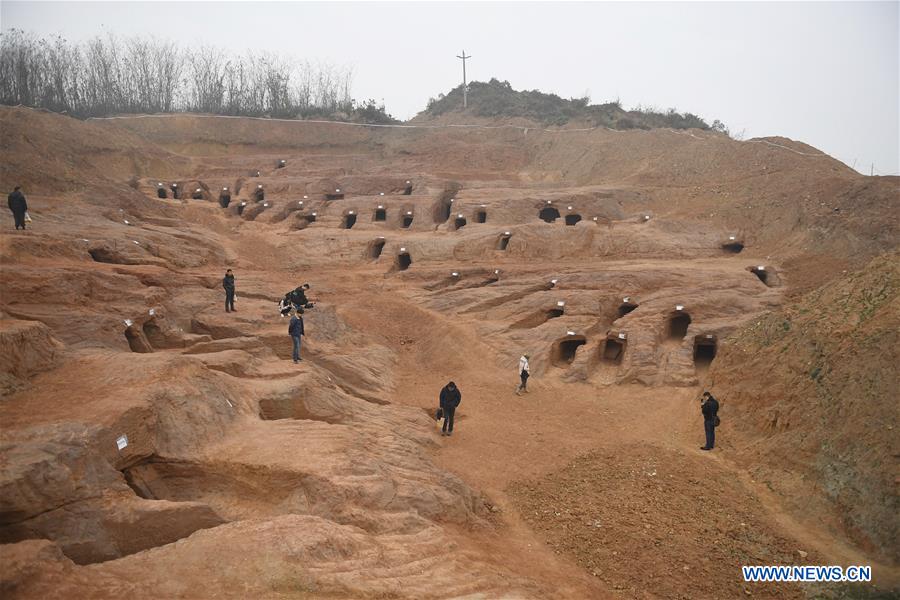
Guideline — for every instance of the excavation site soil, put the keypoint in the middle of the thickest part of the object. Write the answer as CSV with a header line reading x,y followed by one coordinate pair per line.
x,y
156,446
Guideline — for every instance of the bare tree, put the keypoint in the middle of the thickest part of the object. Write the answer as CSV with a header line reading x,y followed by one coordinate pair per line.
x,y
108,75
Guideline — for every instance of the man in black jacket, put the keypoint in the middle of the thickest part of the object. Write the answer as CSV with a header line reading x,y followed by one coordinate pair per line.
x,y
228,284
295,330
298,296
18,206
450,398
709,406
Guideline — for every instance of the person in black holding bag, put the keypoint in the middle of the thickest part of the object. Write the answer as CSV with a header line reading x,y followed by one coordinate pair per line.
x,y
709,406
450,398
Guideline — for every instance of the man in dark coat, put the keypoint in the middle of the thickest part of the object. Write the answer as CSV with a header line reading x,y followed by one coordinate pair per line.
x,y
709,406
298,297
18,206
450,398
295,330
228,284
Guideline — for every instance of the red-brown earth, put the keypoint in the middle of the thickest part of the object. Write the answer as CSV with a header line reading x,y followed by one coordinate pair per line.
x,y
246,475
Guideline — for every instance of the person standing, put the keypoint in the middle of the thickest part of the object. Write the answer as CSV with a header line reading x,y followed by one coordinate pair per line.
x,y
18,206
524,374
709,406
228,284
295,329
450,398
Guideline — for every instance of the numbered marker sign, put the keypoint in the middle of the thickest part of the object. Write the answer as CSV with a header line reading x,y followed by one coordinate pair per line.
x,y
122,442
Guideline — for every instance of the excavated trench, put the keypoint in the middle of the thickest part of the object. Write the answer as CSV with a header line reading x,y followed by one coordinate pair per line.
x,y
441,210
107,255
626,308
274,409
704,351
442,284
766,275
549,214
564,350
537,319
233,491
613,351
677,326
156,337
137,341
374,249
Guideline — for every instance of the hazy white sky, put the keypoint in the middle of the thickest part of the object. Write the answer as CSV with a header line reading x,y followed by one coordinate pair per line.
x,y
824,73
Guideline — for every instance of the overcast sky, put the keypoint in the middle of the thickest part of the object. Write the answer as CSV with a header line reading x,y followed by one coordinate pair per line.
x,y
823,73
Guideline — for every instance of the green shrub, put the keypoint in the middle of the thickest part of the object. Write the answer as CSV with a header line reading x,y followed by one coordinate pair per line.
x,y
498,99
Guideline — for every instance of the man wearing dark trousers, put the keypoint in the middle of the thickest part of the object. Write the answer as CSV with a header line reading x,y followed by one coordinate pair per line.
x,y
18,206
295,329
228,284
450,398
709,406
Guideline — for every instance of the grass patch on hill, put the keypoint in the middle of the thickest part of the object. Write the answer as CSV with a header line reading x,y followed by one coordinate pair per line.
x,y
498,99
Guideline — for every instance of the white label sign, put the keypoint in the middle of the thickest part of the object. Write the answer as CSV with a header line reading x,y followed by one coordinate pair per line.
x,y
122,442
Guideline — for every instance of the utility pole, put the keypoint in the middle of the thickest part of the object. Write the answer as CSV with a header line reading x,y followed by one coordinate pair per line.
x,y
465,92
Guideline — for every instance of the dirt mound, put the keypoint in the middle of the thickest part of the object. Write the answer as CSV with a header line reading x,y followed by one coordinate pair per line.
x,y
610,510
46,152
813,389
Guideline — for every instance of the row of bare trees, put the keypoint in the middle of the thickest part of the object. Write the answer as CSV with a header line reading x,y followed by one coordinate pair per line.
x,y
109,75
